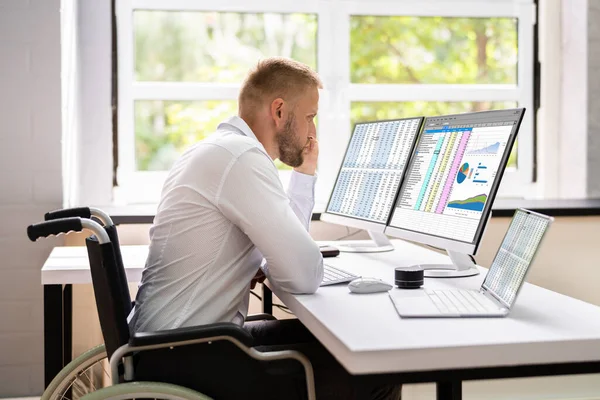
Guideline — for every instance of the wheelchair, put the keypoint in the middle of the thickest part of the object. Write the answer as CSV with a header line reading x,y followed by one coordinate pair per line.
x,y
114,304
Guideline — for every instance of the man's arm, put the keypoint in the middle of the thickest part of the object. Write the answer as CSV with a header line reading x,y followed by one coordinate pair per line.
x,y
251,196
301,190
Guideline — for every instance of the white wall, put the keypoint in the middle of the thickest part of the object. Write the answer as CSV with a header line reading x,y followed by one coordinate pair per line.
x,y
574,91
593,106
95,136
30,180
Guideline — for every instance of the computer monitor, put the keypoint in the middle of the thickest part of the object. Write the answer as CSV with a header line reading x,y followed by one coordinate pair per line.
x,y
369,178
451,181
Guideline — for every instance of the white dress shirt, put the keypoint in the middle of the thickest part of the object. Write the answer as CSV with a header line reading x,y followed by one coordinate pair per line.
x,y
223,214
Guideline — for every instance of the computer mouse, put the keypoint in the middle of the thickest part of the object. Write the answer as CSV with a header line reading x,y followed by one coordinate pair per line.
x,y
368,285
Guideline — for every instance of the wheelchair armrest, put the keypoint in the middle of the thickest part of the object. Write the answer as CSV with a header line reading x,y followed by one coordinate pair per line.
x,y
260,317
192,333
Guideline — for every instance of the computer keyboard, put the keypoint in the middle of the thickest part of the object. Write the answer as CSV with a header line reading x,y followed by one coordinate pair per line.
x,y
461,301
333,275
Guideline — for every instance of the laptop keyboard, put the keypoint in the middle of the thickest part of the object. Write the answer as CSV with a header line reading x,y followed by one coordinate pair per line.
x,y
461,302
333,275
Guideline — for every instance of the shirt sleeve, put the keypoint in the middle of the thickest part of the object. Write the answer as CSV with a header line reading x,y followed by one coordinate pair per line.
x,y
252,197
301,192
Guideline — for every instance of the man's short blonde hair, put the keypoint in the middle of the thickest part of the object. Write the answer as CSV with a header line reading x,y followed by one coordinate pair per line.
x,y
273,78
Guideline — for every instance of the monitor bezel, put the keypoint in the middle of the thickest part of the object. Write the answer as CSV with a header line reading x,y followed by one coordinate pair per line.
x,y
449,243
362,223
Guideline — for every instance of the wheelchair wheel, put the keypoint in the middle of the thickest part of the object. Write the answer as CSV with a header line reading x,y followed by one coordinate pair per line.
x,y
145,390
86,373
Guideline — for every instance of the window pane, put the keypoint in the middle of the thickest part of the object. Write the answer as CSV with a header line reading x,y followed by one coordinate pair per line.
x,y
433,50
164,129
217,46
370,111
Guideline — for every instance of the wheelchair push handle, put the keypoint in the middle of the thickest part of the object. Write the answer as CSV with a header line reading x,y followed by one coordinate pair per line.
x,y
55,227
82,212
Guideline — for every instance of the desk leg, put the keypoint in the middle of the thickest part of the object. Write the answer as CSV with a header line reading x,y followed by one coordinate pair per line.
x,y
267,300
53,332
67,324
449,390
58,323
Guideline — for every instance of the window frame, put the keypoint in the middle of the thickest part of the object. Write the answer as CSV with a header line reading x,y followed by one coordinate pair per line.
x,y
333,65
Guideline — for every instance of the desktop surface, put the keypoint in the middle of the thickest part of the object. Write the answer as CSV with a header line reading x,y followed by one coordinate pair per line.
x,y
70,265
366,334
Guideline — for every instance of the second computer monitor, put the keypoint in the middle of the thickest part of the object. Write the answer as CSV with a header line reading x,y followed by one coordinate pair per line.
x,y
451,182
369,178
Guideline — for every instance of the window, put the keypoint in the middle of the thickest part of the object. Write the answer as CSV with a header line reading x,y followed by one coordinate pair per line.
x,y
181,63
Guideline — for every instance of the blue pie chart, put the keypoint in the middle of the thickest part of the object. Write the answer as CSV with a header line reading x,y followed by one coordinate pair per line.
x,y
462,173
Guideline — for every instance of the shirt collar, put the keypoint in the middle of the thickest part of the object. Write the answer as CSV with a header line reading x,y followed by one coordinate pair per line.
x,y
240,124
242,127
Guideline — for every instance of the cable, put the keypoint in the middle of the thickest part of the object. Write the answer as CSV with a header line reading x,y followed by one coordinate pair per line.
x,y
445,251
433,247
348,234
283,308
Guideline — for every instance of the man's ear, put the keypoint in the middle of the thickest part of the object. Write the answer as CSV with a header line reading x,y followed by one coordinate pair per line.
x,y
278,111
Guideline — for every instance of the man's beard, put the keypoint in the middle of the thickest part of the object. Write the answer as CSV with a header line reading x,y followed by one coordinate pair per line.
x,y
290,152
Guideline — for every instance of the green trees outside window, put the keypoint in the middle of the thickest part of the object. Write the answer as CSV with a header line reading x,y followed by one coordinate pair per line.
x,y
219,48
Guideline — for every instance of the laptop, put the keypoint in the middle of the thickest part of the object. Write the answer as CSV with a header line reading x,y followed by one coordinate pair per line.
x,y
502,283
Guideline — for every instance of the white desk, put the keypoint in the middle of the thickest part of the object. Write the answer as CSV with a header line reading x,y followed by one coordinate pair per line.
x,y
546,333
366,334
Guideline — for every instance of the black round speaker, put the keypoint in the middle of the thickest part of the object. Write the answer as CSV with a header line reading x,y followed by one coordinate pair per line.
x,y
409,278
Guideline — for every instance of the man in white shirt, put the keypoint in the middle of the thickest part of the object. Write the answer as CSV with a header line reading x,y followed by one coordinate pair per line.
x,y
224,222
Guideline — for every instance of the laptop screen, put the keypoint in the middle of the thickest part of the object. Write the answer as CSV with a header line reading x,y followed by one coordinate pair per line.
x,y
508,270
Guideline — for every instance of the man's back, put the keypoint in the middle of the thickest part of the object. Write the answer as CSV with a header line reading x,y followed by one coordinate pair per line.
x,y
202,257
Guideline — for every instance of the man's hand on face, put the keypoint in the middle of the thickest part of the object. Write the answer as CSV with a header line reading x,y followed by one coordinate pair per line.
x,y
258,278
311,155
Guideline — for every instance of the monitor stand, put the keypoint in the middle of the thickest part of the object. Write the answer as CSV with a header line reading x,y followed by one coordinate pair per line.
x,y
462,265
379,243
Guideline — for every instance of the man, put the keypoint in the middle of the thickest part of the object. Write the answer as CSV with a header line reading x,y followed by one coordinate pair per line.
x,y
224,222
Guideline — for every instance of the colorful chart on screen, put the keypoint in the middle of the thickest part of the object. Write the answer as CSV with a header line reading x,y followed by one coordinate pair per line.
x,y
463,173
452,174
